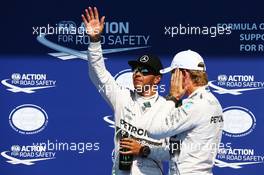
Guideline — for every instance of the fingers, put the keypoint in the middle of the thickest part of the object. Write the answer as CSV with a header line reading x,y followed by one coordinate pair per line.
x,y
84,20
129,147
173,78
102,20
126,142
87,15
177,76
132,146
96,13
177,72
91,13
180,78
127,139
181,87
126,152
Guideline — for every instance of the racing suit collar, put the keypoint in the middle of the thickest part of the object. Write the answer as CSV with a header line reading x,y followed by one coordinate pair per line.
x,y
199,90
155,96
146,102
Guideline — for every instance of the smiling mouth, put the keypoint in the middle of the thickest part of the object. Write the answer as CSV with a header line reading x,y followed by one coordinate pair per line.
x,y
137,81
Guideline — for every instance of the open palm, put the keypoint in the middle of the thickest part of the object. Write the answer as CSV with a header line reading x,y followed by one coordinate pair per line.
x,y
177,90
94,26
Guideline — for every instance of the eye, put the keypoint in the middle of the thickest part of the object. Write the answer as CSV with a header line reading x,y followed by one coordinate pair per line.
x,y
136,69
144,70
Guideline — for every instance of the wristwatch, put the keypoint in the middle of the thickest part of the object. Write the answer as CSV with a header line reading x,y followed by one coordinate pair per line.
x,y
172,98
144,151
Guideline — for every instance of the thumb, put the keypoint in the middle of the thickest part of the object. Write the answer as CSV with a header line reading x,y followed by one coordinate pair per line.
x,y
102,21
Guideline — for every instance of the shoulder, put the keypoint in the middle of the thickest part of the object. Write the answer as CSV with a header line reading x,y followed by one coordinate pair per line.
x,y
161,99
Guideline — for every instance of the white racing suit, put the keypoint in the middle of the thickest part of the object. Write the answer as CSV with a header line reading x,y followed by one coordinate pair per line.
x,y
198,125
130,110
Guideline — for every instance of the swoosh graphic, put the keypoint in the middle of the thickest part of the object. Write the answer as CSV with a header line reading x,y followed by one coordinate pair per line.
x,y
14,160
68,53
221,90
28,90
109,121
237,165
44,41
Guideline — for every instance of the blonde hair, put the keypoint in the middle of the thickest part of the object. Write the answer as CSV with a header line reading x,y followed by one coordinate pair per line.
x,y
198,77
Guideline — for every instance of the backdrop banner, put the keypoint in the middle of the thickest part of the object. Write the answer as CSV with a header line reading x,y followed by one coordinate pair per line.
x,y
53,119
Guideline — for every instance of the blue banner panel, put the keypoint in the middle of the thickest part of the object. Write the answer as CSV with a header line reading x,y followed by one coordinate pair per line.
x,y
54,120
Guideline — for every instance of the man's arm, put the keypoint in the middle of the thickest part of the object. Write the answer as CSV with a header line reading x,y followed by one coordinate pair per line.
x,y
98,73
161,152
170,120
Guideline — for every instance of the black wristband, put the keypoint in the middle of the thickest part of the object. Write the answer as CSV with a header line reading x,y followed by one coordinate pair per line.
x,y
144,151
172,98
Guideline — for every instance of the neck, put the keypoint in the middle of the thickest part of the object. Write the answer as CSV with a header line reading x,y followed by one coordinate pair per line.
x,y
147,93
191,90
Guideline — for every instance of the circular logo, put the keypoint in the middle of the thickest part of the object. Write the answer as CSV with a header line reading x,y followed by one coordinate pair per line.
x,y
15,148
113,156
28,119
222,78
238,121
123,132
16,76
124,79
144,59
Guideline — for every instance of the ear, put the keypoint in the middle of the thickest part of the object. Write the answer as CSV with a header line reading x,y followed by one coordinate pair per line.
x,y
157,79
185,73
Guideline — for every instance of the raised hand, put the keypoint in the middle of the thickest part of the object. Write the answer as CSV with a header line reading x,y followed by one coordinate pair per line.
x,y
94,26
176,88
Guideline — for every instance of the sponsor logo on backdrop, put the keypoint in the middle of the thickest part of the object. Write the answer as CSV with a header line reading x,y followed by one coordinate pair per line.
x,y
28,83
39,151
235,84
236,158
238,121
117,34
27,154
28,119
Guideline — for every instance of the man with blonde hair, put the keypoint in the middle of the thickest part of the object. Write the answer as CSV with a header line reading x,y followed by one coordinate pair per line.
x,y
197,123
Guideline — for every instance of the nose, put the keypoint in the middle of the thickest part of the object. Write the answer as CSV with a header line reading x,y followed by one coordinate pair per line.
x,y
137,73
